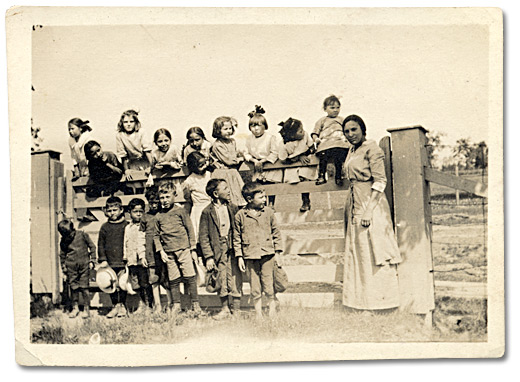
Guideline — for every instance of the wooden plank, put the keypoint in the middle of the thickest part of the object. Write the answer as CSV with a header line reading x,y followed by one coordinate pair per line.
x,y
139,176
456,182
328,273
461,289
307,186
82,201
314,216
248,166
385,144
299,245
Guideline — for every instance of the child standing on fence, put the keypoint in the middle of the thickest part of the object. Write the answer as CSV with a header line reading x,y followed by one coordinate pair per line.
x,y
132,147
174,239
297,146
196,141
226,158
216,233
257,241
77,252
332,146
79,132
195,187
157,273
261,148
134,253
105,170
111,249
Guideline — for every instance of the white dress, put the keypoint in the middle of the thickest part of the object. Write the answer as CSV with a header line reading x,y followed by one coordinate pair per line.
x,y
195,190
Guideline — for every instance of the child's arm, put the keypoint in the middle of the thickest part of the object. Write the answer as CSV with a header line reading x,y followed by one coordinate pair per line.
x,y
157,239
315,135
204,240
63,257
186,221
91,249
222,153
112,163
277,236
237,241
102,257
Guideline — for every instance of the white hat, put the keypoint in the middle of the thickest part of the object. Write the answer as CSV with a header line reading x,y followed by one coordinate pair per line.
x,y
106,279
124,282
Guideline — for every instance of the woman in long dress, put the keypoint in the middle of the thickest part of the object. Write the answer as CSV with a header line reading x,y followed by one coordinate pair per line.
x,y
371,253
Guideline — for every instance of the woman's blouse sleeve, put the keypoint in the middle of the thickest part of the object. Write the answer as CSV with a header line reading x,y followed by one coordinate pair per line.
x,y
120,146
376,159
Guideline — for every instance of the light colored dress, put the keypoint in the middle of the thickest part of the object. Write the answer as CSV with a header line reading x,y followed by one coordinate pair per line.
x,y
290,150
225,158
77,152
133,147
195,190
204,150
264,147
371,253
330,132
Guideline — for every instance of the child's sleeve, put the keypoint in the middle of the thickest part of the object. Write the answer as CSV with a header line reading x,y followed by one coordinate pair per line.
x,y
277,236
204,238
237,235
120,146
273,150
145,143
63,254
90,245
247,154
141,245
125,241
223,154
317,127
282,152
101,245
189,228
157,234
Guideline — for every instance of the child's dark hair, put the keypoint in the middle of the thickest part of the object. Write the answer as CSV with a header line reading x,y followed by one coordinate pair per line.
x,y
197,130
192,161
88,146
166,187
212,186
161,132
136,202
65,226
251,188
358,120
129,113
114,200
331,100
152,194
83,125
257,117
217,126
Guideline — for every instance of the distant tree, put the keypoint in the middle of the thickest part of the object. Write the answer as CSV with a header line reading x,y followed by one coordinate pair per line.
x,y
470,155
36,139
434,146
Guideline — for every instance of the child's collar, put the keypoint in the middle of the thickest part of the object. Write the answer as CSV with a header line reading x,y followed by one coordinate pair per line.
x,y
120,220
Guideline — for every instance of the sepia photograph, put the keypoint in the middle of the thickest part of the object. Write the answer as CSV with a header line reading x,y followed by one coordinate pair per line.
x,y
241,185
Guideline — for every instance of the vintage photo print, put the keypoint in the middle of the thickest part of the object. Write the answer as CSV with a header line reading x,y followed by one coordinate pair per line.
x,y
240,185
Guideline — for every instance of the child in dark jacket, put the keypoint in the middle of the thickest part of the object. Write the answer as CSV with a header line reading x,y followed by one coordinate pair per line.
x,y
77,253
110,249
216,237
257,243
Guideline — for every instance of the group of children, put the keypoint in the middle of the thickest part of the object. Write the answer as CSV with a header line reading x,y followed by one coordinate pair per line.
x,y
223,158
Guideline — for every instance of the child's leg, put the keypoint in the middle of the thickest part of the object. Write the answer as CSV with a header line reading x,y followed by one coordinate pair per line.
x,y
339,157
235,285
122,303
322,167
306,202
175,290
86,302
271,199
253,266
267,281
188,272
75,300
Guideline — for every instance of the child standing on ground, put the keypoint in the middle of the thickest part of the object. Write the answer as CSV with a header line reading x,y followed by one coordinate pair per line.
x,y
226,158
132,148
297,146
157,273
134,253
196,141
105,170
111,249
257,242
216,235
77,252
261,148
174,239
332,146
79,132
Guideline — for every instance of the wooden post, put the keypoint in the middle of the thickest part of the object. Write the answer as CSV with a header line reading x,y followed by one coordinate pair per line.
x,y
413,219
457,195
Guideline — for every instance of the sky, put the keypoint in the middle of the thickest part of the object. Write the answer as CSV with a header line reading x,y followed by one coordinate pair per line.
x,y
179,76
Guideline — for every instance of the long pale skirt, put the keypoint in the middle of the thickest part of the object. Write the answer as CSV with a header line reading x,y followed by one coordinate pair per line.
x,y
196,211
234,181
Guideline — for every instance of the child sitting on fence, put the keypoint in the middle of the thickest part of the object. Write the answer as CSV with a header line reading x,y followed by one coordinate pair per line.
x,y
166,158
110,250
196,142
105,170
157,273
261,148
132,148
297,146
226,158
257,241
134,253
216,230
79,132
174,239
332,146
77,252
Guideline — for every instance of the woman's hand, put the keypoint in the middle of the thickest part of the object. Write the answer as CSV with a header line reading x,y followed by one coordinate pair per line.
x,y
164,256
241,264
210,264
366,219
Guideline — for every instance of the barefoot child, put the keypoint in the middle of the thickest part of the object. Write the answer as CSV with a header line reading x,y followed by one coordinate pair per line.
x,y
257,240
79,132
175,240
77,252
110,250
215,237
134,253
332,146
157,273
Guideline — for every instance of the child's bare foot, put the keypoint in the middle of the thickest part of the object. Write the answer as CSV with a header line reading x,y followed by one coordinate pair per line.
x,y
113,312
74,312
121,311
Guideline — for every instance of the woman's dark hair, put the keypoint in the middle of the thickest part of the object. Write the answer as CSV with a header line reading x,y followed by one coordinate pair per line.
x,y
217,126
88,146
192,161
358,120
197,130
83,125
331,100
159,132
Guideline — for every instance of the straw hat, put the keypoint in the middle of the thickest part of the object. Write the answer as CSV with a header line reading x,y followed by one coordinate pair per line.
x,y
106,279
124,281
